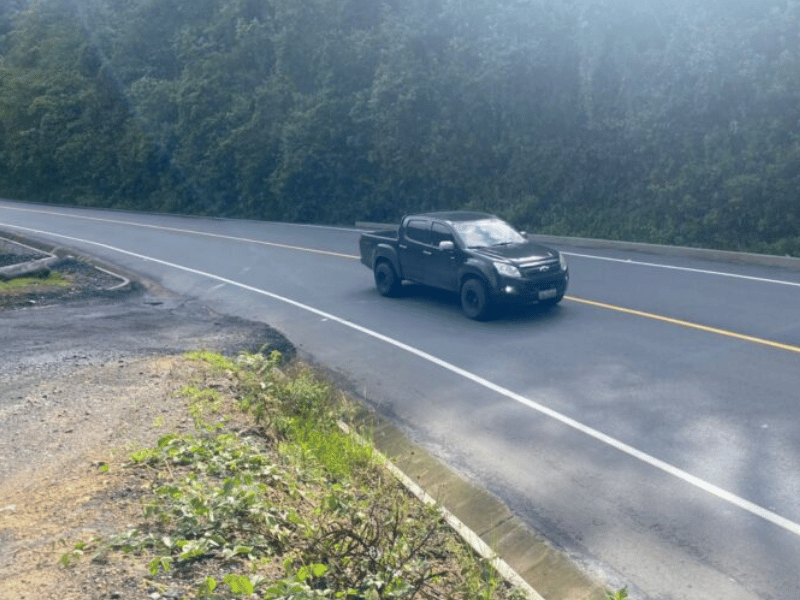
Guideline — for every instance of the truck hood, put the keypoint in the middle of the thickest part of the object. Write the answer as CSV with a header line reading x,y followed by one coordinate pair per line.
x,y
518,253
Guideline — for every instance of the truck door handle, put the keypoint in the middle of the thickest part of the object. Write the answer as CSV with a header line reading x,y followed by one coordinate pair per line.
x,y
428,252
403,246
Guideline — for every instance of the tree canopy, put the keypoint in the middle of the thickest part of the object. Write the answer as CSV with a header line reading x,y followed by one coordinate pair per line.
x,y
659,121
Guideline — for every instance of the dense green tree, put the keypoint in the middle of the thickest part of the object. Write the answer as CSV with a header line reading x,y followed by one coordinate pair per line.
x,y
67,130
660,121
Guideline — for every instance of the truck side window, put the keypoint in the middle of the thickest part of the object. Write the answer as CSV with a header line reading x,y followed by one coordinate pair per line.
x,y
440,233
418,231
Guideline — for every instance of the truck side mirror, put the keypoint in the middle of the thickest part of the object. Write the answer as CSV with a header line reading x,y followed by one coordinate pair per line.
x,y
446,245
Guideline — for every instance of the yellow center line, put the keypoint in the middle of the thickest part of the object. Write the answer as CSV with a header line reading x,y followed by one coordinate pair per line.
x,y
672,321
621,309
689,324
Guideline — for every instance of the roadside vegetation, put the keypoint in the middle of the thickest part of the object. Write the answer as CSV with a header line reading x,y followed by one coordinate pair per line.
x,y
269,496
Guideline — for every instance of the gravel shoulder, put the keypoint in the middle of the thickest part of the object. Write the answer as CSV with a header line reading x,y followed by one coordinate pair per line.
x,y
89,371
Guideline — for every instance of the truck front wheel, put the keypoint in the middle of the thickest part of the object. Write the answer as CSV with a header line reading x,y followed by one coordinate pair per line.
x,y
386,279
475,299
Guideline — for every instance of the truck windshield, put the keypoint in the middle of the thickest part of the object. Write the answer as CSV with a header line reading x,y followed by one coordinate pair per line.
x,y
487,232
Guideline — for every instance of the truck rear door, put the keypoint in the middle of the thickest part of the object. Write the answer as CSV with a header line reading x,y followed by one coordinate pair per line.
x,y
414,248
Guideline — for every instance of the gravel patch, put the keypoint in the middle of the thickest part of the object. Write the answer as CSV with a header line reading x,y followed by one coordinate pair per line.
x,y
87,373
7,259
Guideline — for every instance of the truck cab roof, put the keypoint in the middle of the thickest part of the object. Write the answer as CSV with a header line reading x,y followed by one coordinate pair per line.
x,y
455,215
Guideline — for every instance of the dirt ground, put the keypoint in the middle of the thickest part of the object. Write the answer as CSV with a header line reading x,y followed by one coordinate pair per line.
x,y
88,372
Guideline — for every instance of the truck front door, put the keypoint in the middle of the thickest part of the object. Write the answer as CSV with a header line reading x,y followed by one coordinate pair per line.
x,y
442,265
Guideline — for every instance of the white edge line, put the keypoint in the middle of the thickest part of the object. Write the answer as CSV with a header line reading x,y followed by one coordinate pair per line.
x,y
170,215
659,464
687,269
339,254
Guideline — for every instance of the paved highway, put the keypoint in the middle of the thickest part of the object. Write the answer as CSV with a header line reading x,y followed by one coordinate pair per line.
x,y
649,425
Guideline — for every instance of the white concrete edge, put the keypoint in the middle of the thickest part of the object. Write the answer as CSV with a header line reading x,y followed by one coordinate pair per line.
x,y
470,537
5,240
50,258
19,269
125,280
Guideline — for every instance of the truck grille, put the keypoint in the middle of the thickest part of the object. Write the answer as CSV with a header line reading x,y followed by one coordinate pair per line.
x,y
540,269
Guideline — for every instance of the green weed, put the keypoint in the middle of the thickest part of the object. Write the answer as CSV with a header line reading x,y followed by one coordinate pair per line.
x,y
214,360
339,454
202,404
79,549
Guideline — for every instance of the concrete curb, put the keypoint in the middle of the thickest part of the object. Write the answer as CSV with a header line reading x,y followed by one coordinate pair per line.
x,y
9,240
469,536
51,258
520,556
125,281
28,268
744,258
24,268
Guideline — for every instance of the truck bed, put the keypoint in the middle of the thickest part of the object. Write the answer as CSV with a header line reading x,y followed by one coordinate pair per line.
x,y
370,239
390,234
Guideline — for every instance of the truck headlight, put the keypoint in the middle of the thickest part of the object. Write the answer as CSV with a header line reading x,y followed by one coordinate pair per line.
x,y
507,270
562,261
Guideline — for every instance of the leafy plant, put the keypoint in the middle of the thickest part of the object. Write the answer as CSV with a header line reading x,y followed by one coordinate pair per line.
x,y
302,493
79,550
202,403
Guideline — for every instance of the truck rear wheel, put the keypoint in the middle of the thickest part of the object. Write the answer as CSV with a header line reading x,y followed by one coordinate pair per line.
x,y
386,279
475,299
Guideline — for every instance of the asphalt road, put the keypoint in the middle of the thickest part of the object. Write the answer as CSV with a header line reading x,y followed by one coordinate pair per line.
x,y
649,425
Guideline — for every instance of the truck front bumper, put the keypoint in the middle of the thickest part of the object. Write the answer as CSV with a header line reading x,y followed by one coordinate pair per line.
x,y
531,291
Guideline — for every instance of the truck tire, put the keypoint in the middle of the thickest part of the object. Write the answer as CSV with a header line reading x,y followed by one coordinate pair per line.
x,y
386,279
475,299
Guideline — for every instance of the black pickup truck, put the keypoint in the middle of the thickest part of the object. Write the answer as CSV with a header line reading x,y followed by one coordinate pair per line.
x,y
477,255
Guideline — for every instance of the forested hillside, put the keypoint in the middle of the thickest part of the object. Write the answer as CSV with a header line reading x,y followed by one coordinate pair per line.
x,y
653,120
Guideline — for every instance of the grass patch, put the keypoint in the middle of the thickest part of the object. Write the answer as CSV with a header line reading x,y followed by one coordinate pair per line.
x,y
339,454
268,498
26,284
